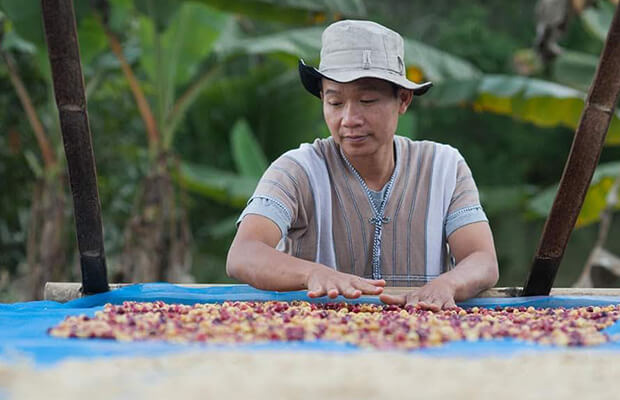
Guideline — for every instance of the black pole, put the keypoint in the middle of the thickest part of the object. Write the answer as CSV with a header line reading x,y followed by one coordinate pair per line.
x,y
64,55
588,142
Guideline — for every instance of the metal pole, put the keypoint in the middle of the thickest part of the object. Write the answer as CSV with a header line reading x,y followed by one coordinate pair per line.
x,y
588,142
64,55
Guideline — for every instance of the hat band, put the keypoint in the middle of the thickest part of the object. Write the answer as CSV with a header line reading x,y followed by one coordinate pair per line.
x,y
363,59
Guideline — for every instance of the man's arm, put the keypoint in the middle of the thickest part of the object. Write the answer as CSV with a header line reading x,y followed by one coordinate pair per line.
x,y
476,270
253,259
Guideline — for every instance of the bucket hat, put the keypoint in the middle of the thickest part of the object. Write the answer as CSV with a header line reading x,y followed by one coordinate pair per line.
x,y
352,50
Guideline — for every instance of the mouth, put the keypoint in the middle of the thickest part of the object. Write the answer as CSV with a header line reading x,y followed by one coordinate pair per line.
x,y
354,138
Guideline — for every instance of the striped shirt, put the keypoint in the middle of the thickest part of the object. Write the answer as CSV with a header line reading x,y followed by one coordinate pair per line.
x,y
325,214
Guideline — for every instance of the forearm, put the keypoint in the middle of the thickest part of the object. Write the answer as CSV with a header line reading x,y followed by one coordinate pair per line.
x,y
472,275
266,268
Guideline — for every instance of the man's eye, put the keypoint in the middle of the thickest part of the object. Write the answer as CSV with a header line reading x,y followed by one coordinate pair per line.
x,y
334,103
368,101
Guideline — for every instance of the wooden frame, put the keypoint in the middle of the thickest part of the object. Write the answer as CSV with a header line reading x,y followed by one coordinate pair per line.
x,y
65,291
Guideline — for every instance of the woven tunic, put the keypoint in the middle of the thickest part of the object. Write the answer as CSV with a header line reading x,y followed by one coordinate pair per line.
x,y
324,212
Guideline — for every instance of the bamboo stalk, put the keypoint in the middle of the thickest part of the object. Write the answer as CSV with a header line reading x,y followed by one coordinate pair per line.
x,y
582,160
64,55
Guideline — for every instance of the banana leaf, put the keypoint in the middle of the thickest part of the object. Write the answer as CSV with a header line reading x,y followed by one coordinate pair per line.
x,y
222,186
531,100
424,62
247,153
292,11
188,39
497,200
26,33
595,200
575,69
597,19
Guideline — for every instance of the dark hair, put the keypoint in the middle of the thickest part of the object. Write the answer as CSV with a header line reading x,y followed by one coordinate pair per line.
x,y
395,88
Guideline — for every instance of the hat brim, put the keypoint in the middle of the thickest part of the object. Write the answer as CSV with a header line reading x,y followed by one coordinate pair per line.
x,y
311,78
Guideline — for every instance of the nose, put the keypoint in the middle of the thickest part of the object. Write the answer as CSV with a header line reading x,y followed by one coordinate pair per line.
x,y
351,115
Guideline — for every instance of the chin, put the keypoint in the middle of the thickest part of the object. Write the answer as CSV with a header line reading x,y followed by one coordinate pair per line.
x,y
356,150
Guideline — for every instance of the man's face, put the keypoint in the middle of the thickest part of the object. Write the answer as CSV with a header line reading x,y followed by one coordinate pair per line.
x,y
362,115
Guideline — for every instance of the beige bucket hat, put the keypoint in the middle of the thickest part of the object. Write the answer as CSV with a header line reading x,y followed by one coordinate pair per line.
x,y
352,50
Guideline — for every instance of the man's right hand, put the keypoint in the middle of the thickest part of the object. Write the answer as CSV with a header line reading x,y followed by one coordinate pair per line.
x,y
253,259
323,281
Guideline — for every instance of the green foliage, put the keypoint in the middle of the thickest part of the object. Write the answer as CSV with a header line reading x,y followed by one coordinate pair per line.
x,y
160,13
477,42
26,18
249,158
292,11
92,39
305,43
295,43
575,69
172,57
206,64
437,65
598,19
408,125
11,41
498,200
225,187
540,102
178,51
594,202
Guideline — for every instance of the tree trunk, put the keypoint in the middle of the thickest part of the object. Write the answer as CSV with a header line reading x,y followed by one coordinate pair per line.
x,y
157,237
45,249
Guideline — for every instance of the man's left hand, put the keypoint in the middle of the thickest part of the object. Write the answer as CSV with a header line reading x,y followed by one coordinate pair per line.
x,y
434,296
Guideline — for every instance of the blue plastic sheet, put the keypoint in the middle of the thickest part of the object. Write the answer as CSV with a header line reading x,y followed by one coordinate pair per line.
x,y
23,326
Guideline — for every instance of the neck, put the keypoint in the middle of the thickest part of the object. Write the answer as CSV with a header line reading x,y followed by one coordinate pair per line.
x,y
375,169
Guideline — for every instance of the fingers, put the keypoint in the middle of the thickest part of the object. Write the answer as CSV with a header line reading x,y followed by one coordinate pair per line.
x,y
316,290
393,299
332,291
347,285
376,282
317,293
350,292
429,305
367,287
449,304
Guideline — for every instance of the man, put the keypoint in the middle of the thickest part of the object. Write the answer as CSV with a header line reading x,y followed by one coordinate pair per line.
x,y
348,214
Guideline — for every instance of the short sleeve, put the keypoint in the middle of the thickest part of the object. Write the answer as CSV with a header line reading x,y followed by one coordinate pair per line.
x,y
279,195
268,208
464,208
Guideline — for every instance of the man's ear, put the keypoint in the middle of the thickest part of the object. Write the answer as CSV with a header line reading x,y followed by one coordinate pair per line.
x,y
405,96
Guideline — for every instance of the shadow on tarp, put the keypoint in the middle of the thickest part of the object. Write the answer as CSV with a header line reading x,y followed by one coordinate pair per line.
x,y
23,326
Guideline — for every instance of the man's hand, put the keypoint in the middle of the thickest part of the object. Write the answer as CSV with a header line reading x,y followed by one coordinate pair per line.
x,y
434,296
325,281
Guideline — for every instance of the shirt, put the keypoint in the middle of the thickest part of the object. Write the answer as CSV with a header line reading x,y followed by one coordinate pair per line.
x,y
325,213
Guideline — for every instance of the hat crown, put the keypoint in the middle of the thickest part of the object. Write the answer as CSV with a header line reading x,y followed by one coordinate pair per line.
x,y
361,45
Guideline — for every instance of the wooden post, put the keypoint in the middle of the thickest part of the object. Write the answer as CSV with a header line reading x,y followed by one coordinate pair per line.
x,y
65,291
64,55
588,142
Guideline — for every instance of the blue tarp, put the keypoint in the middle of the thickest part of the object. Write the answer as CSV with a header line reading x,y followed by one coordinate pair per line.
x,y
23,326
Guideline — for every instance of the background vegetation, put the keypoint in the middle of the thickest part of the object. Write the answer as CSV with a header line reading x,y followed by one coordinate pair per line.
x,y
189,101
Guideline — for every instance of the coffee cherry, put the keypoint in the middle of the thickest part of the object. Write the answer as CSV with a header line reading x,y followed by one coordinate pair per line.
x,y
365,325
